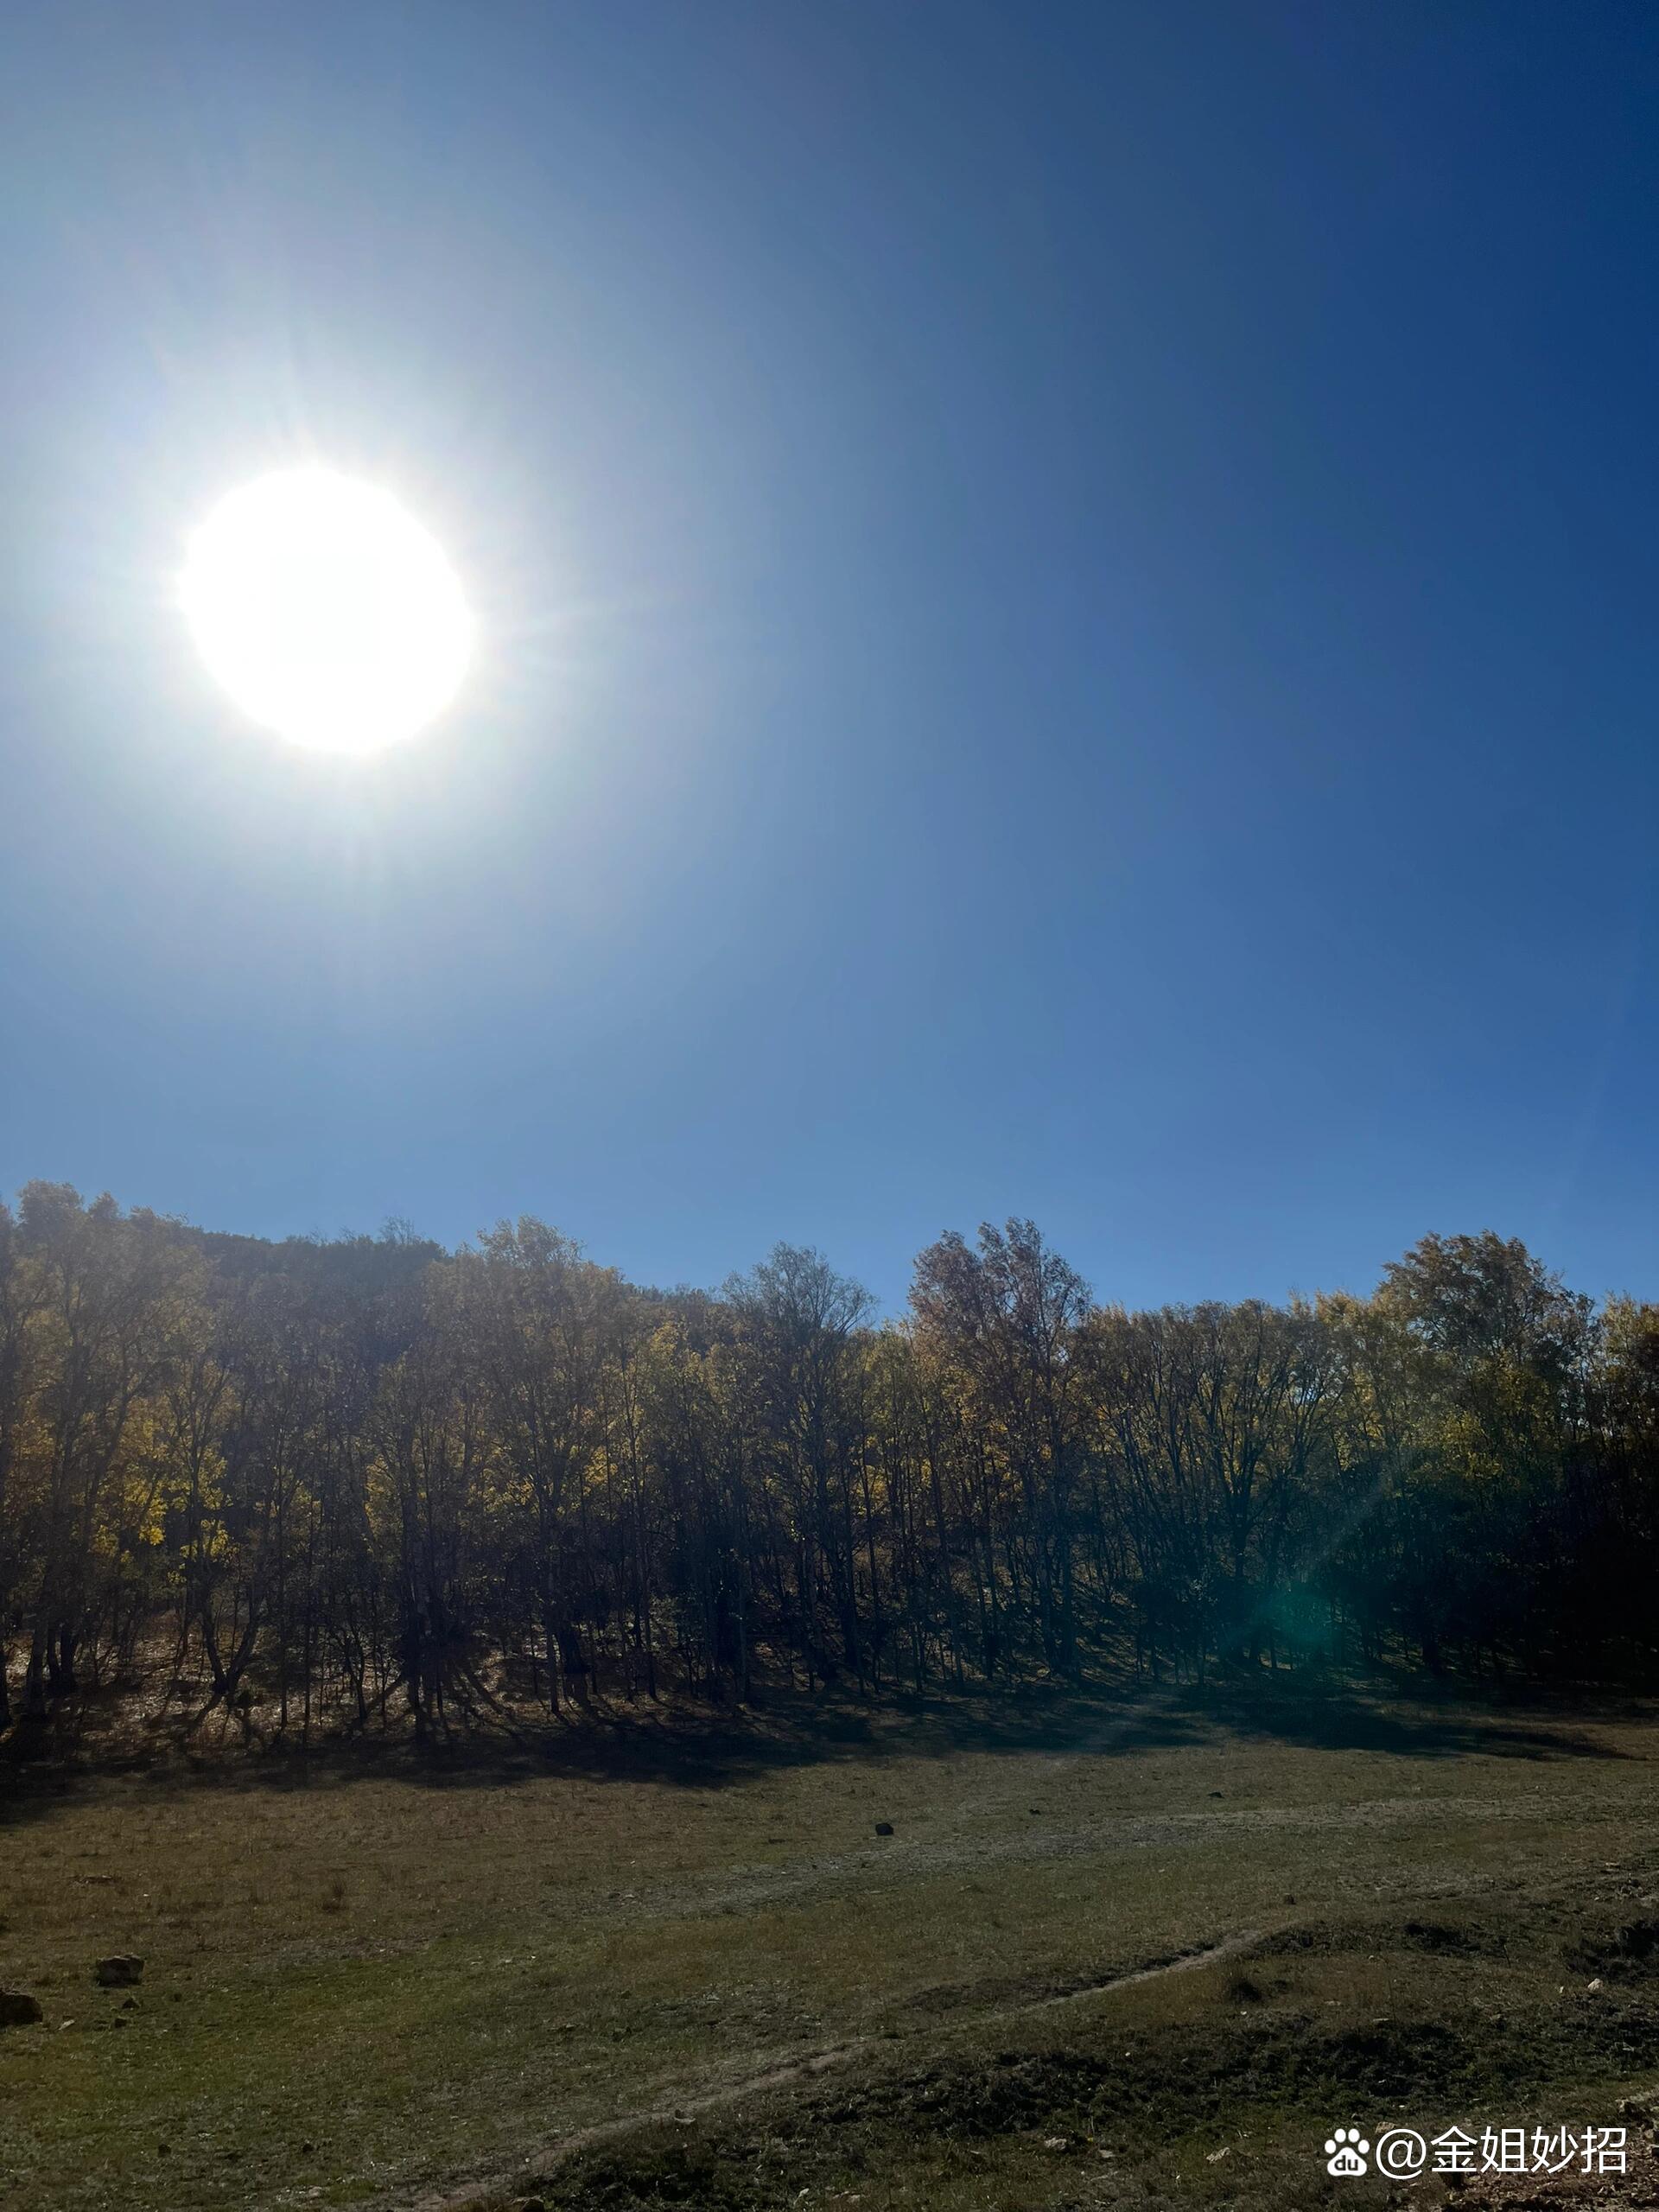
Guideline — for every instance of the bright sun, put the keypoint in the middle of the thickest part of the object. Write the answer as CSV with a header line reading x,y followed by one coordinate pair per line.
x,y
326,612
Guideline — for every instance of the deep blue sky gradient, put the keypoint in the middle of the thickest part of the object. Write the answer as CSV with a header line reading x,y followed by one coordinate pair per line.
x,y
1070,606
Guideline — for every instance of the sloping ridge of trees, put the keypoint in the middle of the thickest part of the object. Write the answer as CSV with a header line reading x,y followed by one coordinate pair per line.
x,y
373,1480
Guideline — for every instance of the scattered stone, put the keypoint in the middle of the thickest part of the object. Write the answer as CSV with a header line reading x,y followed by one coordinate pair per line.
x,y
1056,2143
1596,1984
121,1970
18,2008
1215,2158
884,1827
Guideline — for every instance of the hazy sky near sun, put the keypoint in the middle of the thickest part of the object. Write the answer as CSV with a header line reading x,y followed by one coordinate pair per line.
x,y
1068,604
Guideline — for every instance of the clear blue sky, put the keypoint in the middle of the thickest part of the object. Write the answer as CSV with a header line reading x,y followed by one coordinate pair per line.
x,y
1070,607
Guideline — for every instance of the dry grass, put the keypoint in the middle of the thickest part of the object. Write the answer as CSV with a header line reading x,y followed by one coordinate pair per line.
x,y
374,1979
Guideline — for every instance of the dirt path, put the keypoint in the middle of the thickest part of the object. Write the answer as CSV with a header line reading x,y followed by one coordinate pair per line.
x,y
806,2066
751,1888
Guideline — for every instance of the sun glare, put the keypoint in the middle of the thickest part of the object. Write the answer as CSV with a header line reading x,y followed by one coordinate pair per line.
x,y
325,611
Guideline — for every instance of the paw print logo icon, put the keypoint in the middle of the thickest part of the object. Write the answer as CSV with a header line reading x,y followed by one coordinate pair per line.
x,y
1345,2152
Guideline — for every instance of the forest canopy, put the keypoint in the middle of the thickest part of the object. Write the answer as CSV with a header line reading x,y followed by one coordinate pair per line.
x,y
374,1480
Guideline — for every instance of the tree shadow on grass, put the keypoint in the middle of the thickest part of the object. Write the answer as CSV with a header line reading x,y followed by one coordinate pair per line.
x,y
1417,1721
684,1745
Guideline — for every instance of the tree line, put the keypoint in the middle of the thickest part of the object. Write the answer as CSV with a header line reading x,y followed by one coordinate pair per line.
x,y
338,1483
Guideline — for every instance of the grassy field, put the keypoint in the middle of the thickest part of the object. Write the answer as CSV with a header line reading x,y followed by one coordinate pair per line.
x,y
1114,1952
